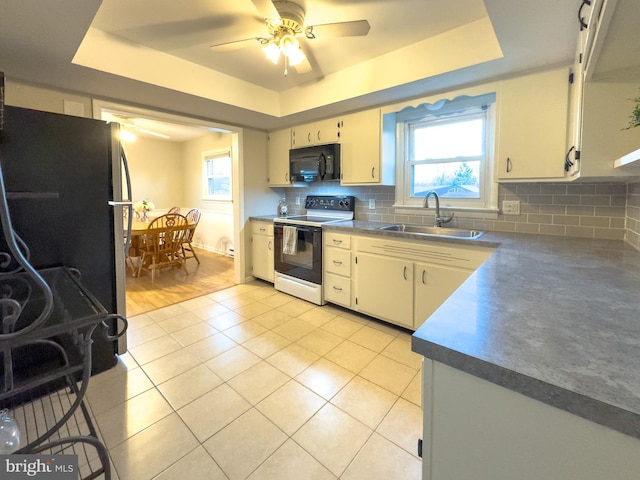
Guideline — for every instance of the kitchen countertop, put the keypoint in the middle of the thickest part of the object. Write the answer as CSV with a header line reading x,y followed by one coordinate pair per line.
x,y
554,318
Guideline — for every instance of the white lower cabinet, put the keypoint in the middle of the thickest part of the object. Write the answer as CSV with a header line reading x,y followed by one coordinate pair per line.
x,y
337,268
337,289
403,282
262,250
475,429
433,285
385,288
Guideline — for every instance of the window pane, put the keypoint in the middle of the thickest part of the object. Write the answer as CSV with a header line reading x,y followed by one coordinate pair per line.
x,y
218,177
448,180
449,140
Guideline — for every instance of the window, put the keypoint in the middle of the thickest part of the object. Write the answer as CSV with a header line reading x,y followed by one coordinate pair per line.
x,y
447,147
216,175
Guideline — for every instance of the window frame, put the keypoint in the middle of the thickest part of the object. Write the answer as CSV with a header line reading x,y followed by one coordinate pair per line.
x,y
448,111
216,155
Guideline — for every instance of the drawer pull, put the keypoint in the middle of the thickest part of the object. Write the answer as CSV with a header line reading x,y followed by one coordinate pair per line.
x,y
336,241
262,229
337,262
337,289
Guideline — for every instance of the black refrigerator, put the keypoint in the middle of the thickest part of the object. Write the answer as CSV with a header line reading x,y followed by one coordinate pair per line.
x,y
64,191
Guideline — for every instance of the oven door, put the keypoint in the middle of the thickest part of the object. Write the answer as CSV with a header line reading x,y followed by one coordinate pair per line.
x,y
306,263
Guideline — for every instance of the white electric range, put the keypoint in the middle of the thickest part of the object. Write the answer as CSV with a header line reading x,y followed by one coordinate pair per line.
x,y
298,245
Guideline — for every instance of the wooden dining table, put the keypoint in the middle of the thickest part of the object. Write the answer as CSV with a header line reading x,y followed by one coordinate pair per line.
x,y
138,229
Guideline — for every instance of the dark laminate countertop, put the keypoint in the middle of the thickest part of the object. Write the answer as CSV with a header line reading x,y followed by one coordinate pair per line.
x,y
554,318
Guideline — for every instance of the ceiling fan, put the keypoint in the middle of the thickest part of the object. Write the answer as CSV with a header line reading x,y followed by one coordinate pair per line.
x,y
285,23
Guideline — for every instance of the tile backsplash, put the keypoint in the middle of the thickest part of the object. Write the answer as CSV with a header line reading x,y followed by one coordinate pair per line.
x,y
633,215
591,210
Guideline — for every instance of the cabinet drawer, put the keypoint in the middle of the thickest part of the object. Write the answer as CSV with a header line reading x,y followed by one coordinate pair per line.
x,y
262,228
337,289
339,240
338,261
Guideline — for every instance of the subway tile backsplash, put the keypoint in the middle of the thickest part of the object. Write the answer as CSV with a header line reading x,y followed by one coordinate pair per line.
x,y
632,235
591,210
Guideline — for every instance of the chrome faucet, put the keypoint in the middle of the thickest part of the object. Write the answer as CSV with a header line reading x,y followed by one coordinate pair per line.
x,y
439,220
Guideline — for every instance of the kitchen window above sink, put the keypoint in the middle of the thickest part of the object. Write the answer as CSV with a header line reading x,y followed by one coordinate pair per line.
x,y
446,147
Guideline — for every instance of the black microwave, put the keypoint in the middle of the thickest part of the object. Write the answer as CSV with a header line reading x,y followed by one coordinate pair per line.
x,y
318,163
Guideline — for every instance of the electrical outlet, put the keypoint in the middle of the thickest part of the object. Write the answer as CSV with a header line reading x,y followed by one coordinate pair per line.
x,y
372,204
298,200
511,207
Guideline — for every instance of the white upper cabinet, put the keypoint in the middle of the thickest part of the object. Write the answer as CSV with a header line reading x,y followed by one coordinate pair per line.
x,y
611,73
532,127
361,160
318,133
278,168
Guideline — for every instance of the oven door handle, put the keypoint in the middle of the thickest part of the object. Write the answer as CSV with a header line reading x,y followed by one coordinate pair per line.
x,y
302,228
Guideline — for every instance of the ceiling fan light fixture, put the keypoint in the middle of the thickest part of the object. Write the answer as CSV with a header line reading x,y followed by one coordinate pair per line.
x,y
295,57
289,45
272,52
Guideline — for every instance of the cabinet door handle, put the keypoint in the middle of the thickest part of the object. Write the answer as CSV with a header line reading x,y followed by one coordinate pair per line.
x,y
318,135
336,241
508,164
404,272
373,169
337,262
309,137
286,177
424,277
270,246
337,289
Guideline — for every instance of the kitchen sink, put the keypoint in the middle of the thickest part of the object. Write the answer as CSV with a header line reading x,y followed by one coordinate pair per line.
x,y
435,231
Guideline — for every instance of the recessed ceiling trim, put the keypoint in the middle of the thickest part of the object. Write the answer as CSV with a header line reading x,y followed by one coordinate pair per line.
x,y
465,46
112,54
461,47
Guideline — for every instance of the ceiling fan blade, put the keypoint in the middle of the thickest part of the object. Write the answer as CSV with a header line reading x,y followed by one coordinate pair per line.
x,y
267,9
304,66
234,45
356,28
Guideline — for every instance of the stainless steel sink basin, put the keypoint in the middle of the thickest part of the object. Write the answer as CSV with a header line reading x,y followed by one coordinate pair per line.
x,y
435,231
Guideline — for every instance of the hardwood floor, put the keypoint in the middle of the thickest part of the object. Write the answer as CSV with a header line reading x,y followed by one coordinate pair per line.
x,y
215,272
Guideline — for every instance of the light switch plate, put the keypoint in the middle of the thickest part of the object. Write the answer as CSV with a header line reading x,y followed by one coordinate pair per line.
x,y
511,207
372,204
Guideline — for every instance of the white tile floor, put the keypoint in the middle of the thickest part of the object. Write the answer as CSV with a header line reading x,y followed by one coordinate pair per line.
x,y
251,383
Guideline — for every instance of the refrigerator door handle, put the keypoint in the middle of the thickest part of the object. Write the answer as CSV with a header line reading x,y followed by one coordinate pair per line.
x,y
129,202
120,178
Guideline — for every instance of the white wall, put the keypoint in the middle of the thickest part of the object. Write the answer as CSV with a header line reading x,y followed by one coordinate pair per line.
x,y
156,168
215,230
257,197
37,98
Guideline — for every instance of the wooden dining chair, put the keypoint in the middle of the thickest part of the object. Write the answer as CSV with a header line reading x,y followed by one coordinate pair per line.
x,y
174,210
193,216
160,247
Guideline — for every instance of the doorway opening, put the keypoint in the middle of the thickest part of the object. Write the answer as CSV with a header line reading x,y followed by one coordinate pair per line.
x,y
165,160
